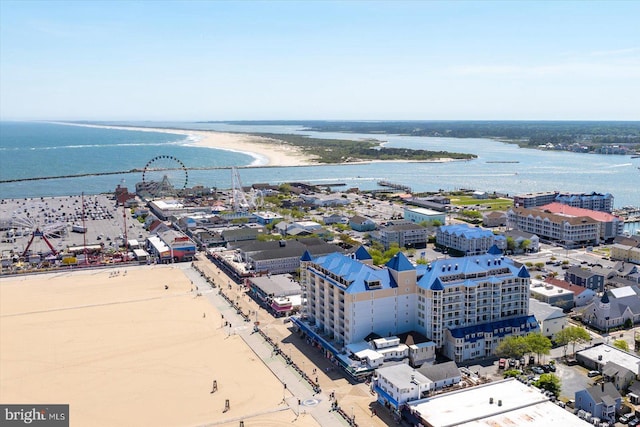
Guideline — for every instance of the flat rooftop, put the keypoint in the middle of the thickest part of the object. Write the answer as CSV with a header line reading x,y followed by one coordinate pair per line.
x,y
612,354
549,290
520,405
424,211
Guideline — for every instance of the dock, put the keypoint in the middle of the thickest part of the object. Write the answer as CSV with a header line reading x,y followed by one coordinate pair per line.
x,y
395,186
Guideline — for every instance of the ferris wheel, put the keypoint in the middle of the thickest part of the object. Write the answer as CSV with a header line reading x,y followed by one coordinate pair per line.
x,y
27,225
164,175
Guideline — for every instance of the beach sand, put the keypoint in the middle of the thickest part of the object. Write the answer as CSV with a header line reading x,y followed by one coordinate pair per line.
x,y
123,350
266,151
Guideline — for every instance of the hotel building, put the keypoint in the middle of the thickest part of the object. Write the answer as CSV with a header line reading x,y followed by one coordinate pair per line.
x,y
466,306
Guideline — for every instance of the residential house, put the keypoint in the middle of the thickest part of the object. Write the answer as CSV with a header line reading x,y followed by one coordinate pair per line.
x,y
335,219
582,277
550,319
360,223
442,374
396,385
523,241
494,219
619,376
601,401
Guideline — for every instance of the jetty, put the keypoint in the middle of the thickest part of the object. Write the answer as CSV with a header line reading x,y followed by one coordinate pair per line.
x,y
502,161
395,186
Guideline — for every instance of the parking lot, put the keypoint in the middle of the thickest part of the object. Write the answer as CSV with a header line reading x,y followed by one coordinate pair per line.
x,y
56,216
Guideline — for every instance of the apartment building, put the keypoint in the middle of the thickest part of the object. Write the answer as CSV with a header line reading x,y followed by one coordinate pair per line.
x,y
404,233
593,201
610,225
465,239
569,231
466,306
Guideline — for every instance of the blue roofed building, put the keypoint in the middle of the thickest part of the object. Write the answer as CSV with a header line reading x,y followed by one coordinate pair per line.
x,y
465,240
466,306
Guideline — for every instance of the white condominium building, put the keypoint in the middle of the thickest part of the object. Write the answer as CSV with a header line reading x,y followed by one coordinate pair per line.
x,y
465,305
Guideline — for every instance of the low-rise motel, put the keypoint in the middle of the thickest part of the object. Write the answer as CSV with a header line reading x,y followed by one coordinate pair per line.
x,y
464,306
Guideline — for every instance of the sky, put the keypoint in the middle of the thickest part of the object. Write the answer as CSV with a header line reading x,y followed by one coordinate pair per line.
x,y
361,60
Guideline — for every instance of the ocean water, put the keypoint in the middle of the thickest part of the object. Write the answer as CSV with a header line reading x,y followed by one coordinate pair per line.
x,y
43,149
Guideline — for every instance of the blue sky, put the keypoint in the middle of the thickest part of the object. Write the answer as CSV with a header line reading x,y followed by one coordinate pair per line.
x,y
428,60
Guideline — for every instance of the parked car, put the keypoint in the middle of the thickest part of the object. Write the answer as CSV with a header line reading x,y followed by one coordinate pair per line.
x,y
592,374
537,369
634,422
552,367
624,419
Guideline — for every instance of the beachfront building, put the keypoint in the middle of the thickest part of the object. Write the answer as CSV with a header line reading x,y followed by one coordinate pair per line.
x,y
171,246
466,306
569,231
464,239
418,215
501,403
279,294
279,257
403,233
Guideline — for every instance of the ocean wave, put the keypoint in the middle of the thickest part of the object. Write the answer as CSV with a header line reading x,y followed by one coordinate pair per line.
x,y
79,146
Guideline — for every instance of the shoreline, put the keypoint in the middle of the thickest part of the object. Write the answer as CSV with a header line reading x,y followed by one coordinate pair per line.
x,y
266,151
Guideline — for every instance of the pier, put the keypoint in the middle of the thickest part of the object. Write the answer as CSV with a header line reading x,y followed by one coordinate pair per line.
x,y
395,186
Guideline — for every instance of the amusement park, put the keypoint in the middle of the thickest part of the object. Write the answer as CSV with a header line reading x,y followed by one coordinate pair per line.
x,y
93,230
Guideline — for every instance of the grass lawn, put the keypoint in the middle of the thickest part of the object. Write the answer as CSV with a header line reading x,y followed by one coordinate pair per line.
x,y
492,204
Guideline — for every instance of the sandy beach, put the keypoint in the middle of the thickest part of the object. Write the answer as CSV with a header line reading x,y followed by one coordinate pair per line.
x,y
123,350
265,151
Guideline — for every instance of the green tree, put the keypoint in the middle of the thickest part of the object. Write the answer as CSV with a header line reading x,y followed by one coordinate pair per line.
x,y
511,373
621,344
549,382
538,344
284,188
525,244
572,335
511,244
513,347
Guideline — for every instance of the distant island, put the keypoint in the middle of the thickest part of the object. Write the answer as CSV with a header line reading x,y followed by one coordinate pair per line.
x,y
604,137
351,151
